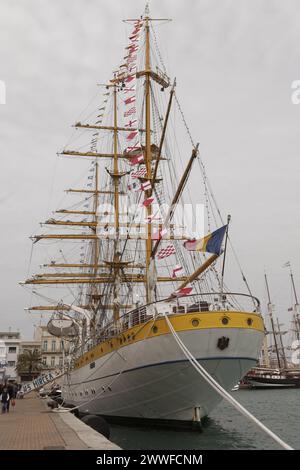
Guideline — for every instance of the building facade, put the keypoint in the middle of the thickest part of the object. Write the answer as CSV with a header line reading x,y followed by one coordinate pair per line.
x,y
53,349
9,351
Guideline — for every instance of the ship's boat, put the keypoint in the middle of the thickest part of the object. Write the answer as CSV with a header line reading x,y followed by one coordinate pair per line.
x,y
127,258
275,369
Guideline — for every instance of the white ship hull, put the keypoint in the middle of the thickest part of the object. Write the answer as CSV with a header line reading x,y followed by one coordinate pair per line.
x,y
152,379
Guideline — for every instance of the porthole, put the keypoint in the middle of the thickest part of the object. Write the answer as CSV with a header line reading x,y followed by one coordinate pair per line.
x,y
195,322
225,321
155,329
249,321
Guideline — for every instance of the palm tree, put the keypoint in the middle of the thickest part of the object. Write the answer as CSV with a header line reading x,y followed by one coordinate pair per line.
x,y
29,362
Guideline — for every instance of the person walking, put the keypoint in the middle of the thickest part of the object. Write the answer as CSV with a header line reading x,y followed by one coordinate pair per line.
x,y
10,390
5,398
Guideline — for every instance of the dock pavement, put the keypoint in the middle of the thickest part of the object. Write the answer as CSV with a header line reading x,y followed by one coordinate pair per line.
x,y
31,425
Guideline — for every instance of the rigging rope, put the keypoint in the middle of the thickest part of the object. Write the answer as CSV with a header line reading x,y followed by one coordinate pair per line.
x,y
221,391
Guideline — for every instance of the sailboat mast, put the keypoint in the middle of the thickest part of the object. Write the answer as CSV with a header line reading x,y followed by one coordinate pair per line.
x,y
148,155
272,320
296,318
281,343
95,210
294,288
116,176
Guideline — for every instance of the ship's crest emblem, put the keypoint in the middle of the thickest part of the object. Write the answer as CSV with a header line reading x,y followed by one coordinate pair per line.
x,y
223,343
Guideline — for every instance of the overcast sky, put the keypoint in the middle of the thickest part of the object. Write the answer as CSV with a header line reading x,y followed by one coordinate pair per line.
x,y
234,61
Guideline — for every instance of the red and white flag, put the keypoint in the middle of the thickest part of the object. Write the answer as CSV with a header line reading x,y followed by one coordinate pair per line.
x,y
132,89
147,202
139,173
133,148
131,123
129,100
132,48
145,186
159,234
132,69
182,292
136,159
177,271
165,252
132,135
129,78
134,36
130,112
131,59
152,217
137,28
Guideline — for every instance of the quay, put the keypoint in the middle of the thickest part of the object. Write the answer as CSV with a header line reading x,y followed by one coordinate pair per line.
x,y
31,425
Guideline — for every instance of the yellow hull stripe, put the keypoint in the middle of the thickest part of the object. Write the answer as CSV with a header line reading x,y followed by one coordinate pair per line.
x,y
185,322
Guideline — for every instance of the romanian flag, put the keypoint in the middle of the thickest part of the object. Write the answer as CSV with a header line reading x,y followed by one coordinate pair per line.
x,y
211,243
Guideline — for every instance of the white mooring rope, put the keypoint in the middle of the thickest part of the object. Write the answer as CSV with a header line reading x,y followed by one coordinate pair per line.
x,y
221,391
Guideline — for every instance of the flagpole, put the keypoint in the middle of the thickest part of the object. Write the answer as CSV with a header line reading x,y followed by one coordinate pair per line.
x,y
224,256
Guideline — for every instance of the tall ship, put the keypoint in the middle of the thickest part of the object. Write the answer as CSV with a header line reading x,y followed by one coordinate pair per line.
x,y
277,368
129,256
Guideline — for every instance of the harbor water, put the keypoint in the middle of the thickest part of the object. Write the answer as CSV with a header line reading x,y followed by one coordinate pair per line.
x,y
226,428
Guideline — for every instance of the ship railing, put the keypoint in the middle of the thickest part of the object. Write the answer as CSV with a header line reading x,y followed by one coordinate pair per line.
x,y
205,302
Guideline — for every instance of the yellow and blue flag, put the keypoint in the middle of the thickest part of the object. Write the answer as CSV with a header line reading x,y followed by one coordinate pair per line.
x,y
211,243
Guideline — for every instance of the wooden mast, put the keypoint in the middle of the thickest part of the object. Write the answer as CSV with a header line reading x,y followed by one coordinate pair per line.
x,y
295,308
177,195
148,150
198,271
281,343
163,134
116,170
95,253
272,321
116,176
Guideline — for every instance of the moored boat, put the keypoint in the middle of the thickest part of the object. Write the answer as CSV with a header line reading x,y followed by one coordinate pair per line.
x,y
138,265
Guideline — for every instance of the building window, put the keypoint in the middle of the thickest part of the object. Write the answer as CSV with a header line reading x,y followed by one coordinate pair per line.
x,y
52,361
11,363
45,345
60,361
44,360
53,345
12,349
